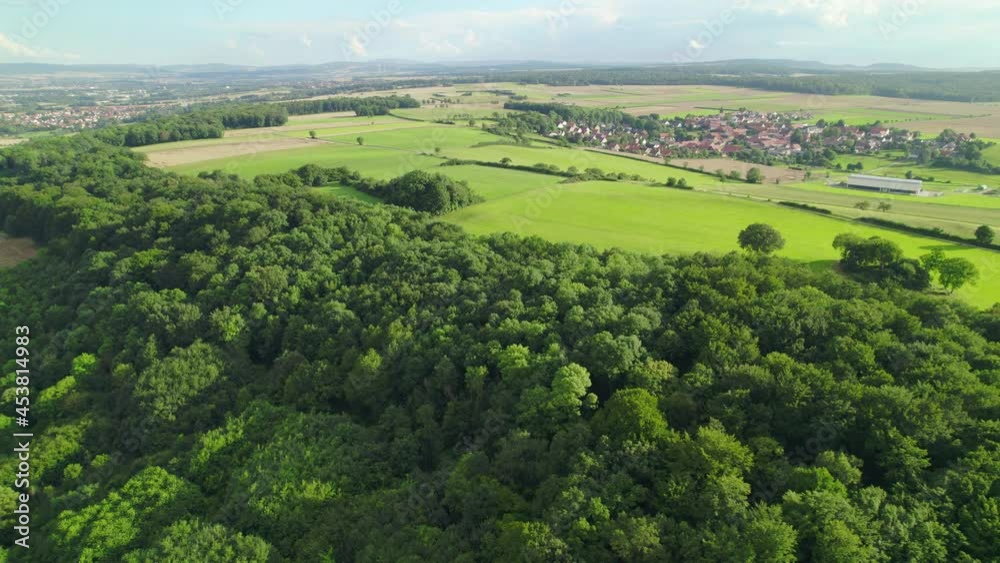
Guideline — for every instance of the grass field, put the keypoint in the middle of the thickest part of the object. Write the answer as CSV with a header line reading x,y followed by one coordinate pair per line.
x,y
662,220
382,163
992,154
955,219
13,251
345,192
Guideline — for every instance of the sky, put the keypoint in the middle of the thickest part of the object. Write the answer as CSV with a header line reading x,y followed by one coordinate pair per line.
x,y
930,33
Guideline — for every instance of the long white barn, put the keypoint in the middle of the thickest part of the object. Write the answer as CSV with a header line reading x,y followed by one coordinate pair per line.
x,y
885,185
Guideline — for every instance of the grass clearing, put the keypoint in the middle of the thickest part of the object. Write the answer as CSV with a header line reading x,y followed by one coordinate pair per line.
x,y
663,220
346,192
382,163
13,251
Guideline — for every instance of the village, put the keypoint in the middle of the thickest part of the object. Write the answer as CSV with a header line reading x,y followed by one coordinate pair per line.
x,y
779,136
73,118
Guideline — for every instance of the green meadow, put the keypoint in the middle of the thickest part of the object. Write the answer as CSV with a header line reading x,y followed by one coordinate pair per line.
x,y
382,163
629,215
662,220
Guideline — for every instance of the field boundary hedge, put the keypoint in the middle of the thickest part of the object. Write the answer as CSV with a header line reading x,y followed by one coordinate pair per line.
x,y
933,233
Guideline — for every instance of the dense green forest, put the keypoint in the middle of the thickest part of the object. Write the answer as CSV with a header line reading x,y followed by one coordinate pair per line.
x,y
235,371
369,106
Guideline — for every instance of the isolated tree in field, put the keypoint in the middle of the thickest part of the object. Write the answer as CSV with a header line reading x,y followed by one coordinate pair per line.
x,y
956,273
761,238
735,175
506,161
313,135
953,273
682,183
985,235
361,141
437,150
884,206
755,176
909,174
863,205
671,182
721,174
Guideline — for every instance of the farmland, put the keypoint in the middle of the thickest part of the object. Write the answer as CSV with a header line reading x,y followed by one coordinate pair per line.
x,y
636,214
928,117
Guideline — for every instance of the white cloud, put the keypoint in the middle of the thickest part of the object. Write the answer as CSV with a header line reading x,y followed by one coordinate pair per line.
x,y
307,41
835,13
696,45
435,44
18,49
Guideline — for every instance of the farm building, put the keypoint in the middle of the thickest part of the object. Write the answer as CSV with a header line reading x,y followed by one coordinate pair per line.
x,y
884,185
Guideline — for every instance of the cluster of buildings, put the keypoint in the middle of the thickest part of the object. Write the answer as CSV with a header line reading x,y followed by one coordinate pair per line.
x,y
777,135
74,118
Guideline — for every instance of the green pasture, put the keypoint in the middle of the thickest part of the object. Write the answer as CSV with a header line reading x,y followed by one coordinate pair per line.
x,y
346,192
992,154
497,183
376,162
361,129
663,220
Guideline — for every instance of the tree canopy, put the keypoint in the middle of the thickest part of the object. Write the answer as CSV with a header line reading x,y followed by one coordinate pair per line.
x,y
246,371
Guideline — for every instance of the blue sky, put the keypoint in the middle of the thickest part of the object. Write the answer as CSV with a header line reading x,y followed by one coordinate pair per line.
x,y
957,33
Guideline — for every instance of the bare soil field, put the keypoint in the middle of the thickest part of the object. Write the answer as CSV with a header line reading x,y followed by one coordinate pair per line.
x,y
13,251
189,155
238,133
771,173
987,126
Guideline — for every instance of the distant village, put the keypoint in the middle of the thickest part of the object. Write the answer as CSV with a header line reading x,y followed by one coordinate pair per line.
x,y
73,118
774,135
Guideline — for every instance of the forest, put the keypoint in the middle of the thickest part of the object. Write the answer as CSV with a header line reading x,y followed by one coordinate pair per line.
x,y
369,106
228,370
196,124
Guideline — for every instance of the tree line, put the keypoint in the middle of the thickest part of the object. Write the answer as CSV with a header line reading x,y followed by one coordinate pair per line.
x,y
211,122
